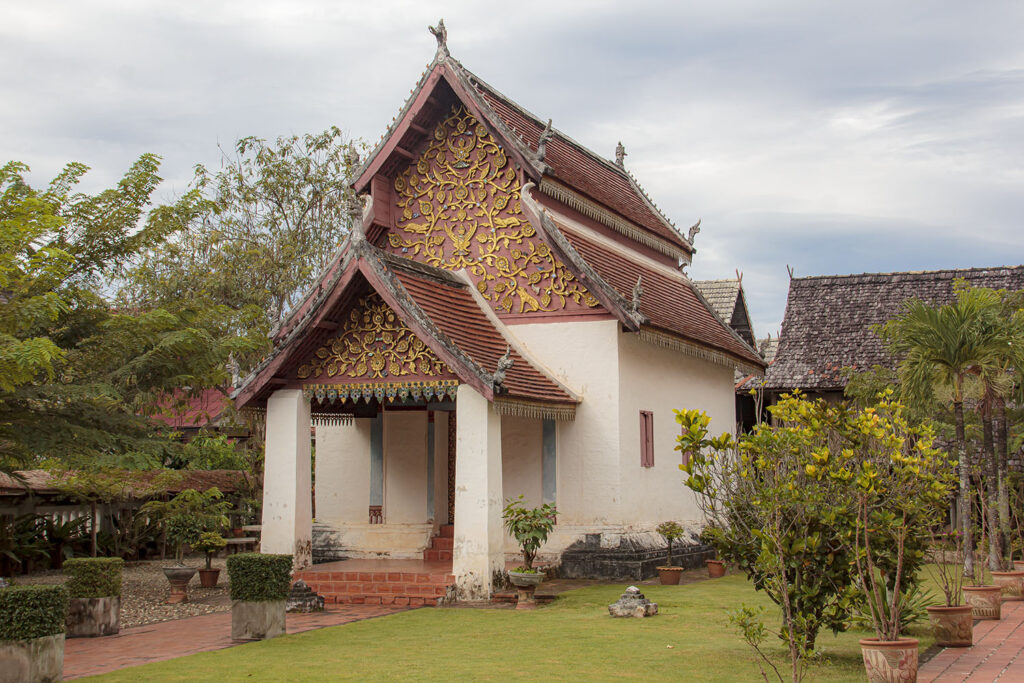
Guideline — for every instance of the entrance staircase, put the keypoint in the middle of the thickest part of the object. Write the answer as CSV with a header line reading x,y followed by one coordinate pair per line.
x,y
411,583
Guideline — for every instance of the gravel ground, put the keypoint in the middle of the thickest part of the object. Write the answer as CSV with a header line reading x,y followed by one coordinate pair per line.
x,y
144,589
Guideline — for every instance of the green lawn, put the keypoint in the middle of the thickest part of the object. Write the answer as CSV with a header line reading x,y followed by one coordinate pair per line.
x,y
573,638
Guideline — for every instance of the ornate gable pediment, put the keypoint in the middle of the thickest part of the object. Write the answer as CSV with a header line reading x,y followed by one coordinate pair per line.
x,y
458,207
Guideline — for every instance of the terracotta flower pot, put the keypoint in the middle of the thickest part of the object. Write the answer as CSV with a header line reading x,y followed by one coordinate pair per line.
x,y
179,577
890,661
670,575
716,568
1011,583
208,577
984,601
953,626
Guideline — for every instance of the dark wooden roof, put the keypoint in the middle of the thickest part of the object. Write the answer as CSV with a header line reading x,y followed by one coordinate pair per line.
x,y
829,320
41,482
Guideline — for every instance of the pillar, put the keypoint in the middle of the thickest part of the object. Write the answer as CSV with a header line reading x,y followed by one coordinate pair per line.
x,y
479,536
287,490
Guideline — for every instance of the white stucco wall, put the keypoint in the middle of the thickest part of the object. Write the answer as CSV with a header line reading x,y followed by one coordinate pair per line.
x,y
584,356
343,472
405,466
522,459
659,380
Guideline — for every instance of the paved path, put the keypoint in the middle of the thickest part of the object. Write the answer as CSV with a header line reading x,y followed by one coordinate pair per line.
x,y
997,655
170,639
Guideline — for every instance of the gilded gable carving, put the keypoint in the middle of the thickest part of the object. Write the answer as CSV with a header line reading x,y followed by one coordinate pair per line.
x,y
459,208
373,343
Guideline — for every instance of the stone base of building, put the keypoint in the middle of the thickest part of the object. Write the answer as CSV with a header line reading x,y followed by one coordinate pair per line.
x,y
352,540
636,557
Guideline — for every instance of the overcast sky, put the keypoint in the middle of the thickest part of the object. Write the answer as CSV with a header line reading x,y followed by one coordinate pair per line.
x,y
833,137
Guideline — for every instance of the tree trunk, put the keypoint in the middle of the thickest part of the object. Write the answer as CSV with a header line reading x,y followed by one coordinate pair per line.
x,y
92,528
990,471
1003,459
964,498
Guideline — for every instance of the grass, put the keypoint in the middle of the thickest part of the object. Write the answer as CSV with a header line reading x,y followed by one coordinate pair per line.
x,y
690,639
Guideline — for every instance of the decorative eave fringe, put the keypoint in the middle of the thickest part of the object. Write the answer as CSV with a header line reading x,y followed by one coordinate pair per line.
x,y
325,394
587,208
702,352
333,419
539,411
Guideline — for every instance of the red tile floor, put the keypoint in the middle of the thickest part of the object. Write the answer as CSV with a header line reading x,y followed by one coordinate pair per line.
x,y
997,654
170,639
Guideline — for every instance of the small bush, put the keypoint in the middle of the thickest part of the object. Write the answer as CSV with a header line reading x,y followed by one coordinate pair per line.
x,y
94,577
28,612
256,577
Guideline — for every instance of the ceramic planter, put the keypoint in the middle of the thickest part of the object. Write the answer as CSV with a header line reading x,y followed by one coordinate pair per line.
x,y
90,617
1010,583
179,577
670,575
984,601
716,568
890,661
953,626
208,577
33,661
526,584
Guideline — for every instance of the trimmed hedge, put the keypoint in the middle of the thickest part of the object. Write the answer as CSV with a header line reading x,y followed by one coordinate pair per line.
x,y
94,577
28,612
256,577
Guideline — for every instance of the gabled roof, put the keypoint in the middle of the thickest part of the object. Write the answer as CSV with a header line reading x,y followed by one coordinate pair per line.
x,y
567,168
829,320
439,308
721,295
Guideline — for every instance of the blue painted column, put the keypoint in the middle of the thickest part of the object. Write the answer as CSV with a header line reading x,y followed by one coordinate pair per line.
x,y
430,465
550,469
377,460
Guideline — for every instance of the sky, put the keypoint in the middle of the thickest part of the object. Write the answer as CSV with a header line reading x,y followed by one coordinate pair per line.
x,y
828,137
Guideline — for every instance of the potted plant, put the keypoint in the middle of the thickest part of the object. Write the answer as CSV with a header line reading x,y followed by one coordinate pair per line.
x,y
259,592
32,632
210,542
985,599
716,567
952,622
184,518
94,587
530,527
669,574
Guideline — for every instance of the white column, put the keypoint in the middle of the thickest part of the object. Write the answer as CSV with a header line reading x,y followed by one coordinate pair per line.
x,y
343,472
287,495
479,536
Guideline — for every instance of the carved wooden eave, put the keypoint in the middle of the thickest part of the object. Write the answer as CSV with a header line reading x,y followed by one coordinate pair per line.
x,y
383,273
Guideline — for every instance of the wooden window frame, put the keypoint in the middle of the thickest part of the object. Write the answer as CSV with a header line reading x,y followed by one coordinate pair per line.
x,y
646,438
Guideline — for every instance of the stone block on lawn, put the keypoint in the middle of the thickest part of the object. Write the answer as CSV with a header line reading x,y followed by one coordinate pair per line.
x,y
252,620
633,604
302,598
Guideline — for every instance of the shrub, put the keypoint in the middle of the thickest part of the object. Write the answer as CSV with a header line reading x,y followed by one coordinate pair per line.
x,y
530,527
28,612
94,577
256,577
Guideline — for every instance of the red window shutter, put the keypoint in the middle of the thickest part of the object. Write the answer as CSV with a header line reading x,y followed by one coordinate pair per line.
x,y
646,438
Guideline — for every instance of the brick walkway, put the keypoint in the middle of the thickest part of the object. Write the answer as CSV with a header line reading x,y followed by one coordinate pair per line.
x,y
170,639
997,655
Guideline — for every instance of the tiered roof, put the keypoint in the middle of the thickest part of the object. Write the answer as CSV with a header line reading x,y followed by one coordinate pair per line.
x,y
829,321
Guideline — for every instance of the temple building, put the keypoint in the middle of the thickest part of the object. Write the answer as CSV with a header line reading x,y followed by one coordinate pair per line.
x,y
509,316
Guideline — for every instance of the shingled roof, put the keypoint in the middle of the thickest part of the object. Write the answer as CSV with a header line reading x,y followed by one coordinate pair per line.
x,y
829,320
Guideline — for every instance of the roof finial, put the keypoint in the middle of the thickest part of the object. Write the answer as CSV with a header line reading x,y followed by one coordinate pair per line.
x,y
620,154
441,34
504,364
355,215
638,291
352,158
739,276
542,143
694,229
789,269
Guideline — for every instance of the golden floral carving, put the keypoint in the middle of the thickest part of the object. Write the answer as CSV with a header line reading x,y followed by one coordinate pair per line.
x,y
373,343
459,208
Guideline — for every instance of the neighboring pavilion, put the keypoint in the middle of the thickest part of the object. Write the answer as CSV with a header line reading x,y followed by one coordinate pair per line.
x,y
729,302
830,319
508,317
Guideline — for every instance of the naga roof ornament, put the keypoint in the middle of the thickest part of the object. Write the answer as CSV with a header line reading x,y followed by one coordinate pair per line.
x,y
694,229
620,155
505,363
542,142
441,34
638,291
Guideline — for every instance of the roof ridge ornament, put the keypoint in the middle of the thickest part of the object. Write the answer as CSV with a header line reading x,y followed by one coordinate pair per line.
x,y
542,142
694,229
504,364
638,291
620,155
441,34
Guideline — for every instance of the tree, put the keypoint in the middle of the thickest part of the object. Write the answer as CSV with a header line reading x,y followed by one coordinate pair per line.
x,y
259,230
77,375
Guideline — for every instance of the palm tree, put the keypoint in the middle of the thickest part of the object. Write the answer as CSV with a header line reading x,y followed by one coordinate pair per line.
x,y
942,348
